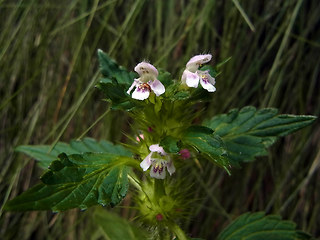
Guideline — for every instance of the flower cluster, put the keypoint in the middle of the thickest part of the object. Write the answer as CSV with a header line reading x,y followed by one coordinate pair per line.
x,y
148,82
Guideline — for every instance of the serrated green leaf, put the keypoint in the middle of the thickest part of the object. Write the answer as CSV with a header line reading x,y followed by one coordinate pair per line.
x,y
181,95
42,152
111,70
169,144
80,181
253,226
248,132
44,156
208,144
117,95
115,227
174,93
165,78
115,83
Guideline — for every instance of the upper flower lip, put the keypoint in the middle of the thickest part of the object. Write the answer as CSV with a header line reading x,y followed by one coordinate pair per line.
x,y
157,148
146,68
197,60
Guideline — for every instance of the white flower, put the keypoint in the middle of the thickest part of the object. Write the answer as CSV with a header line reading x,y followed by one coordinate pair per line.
x,y
159,160
146,83
191,75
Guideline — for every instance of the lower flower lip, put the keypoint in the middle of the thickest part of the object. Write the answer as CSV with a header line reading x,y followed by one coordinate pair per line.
x,y
144,89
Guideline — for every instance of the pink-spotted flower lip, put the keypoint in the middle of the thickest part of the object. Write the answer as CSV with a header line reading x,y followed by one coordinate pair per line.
x,y
192,75
146,83
159,161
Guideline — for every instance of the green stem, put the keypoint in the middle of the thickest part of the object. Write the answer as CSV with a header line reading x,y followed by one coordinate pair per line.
x,y
178,231
159,190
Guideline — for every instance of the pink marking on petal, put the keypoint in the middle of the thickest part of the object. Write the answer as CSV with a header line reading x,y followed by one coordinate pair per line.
x,y
154,173
141,92
206,81
155,169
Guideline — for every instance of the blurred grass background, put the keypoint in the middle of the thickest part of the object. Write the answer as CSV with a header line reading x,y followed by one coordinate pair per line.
x,y
48,68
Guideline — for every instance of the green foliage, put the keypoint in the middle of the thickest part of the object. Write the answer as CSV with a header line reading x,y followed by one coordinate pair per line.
x,y
191,239
253,226
77,181
116,94
170,144
111,70
248,132
115,83
115,227
165,78
212,71
208,144
44,155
